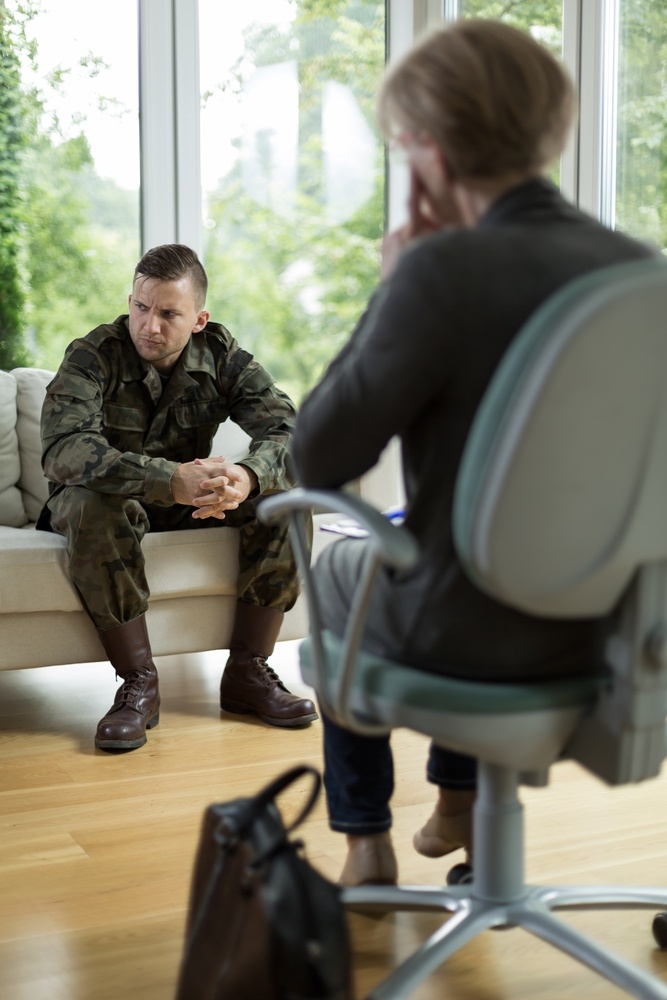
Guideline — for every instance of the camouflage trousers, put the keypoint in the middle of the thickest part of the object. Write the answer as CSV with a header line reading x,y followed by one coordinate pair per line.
x,y
106,563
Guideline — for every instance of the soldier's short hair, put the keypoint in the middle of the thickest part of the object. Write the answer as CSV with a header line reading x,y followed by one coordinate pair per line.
x,y
494,99
172,261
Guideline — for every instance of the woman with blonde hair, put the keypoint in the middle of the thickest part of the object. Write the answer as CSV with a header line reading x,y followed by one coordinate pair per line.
x,y
481,111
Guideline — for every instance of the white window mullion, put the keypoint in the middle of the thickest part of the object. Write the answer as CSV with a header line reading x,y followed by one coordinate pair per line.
x,y
451,10
400,35
598,88
611,32
157,123
569,168
427,13
169,122
406,19
383,486
187,100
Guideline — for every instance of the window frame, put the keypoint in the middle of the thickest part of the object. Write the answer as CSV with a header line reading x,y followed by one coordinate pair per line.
x,y
169,114
169,109
169,123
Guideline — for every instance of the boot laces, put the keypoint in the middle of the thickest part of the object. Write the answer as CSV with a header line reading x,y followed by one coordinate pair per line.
x,y
267,674
132,688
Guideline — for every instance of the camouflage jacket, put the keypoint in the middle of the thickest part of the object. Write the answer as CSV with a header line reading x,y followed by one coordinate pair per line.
x,y
108,424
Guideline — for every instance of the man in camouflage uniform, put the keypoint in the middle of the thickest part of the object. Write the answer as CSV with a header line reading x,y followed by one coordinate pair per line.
x,y
126,421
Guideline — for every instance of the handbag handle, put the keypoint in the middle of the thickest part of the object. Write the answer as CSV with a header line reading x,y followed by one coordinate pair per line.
x,y
283,781
249,809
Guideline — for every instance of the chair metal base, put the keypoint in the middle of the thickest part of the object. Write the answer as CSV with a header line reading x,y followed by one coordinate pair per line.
x,y
471,916
498,896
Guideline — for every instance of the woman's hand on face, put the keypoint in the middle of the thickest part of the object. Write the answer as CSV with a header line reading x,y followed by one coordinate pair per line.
x,y
423,218
422,221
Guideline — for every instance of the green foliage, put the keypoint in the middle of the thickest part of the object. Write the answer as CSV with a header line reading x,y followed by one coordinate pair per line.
x,y
12,139
292,289
523,14
641,184
81,246
75,235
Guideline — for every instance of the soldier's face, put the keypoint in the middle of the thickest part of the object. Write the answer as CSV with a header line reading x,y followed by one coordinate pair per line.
x,y
163,317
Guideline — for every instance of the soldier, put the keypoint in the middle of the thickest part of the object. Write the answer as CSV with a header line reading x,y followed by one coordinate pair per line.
x,y
126,422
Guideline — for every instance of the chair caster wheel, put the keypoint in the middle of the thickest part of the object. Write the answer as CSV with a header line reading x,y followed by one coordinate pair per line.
x,y
460,875
660,930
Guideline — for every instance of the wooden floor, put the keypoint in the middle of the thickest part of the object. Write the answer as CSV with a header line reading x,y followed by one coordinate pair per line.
x,y
96,850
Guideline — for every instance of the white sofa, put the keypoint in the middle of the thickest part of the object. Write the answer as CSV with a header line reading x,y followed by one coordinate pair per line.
x,y
192,574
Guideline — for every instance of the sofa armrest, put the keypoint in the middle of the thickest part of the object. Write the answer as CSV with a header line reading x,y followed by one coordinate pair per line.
x,y
31,386
12,509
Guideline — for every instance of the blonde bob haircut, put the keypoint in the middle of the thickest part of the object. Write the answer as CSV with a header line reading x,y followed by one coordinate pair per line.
x,y
493,99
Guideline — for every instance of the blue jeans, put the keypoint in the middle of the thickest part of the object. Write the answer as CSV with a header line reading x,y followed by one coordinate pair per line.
x,y
359,778
359,770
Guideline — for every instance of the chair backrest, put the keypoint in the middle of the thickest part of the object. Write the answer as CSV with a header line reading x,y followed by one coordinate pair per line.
x,y
561,501
562,493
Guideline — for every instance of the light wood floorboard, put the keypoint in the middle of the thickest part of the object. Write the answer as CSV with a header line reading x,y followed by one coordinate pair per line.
x,y
96,850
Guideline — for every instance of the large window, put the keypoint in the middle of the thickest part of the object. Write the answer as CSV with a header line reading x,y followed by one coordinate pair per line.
x,y
641,148
292,167
293,174
79,181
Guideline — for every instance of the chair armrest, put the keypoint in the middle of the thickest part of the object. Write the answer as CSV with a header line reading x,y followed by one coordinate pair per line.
x,y
390,545
394,548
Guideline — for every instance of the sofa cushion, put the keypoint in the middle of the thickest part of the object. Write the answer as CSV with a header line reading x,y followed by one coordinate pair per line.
x,y
31,386
231,441
12,508
196,561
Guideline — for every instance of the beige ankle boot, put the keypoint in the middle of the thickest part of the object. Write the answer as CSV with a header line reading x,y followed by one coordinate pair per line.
x,y
370,861
441,835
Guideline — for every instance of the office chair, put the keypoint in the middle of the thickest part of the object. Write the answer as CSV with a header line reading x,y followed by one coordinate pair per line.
x,y
560,510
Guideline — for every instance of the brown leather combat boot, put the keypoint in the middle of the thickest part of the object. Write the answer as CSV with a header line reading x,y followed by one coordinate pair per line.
x,y
249,685
136,706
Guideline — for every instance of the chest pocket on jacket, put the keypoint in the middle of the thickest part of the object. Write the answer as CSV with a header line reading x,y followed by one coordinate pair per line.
x,y
200,414
198,422
124,427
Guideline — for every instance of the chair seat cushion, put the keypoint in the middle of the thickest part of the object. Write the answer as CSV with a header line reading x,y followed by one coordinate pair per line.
x,y
410,686
522,726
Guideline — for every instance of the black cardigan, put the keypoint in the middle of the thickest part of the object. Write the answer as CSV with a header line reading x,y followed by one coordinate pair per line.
x,y
417,366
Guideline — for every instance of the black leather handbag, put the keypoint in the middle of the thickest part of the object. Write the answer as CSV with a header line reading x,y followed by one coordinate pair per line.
x,y
262,923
